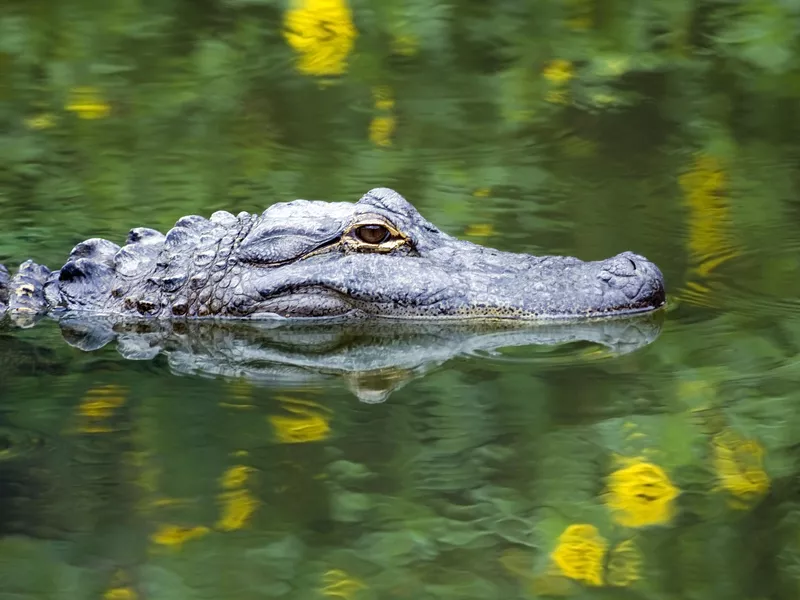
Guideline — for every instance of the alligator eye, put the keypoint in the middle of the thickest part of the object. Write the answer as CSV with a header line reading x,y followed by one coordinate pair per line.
x,y
372,234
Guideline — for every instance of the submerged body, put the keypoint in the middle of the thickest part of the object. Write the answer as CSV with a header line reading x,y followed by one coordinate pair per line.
x,y
377,257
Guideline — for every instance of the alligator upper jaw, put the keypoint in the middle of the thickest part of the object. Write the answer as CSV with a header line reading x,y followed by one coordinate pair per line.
x,y
489,285
495,284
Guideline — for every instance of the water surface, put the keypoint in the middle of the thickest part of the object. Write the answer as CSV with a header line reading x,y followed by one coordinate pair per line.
x,y
426,464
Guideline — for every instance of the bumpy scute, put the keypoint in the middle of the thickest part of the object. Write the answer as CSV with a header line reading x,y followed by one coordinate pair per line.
x,y
95,249
144,235
26,289
5,277
284,235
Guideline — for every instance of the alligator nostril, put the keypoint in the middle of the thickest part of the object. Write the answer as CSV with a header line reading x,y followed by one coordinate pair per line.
x,y
633,264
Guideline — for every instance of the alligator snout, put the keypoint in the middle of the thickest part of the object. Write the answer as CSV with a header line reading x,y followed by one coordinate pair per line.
x,y
638,279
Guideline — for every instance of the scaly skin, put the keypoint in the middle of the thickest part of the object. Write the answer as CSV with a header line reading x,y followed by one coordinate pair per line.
x,y
316,259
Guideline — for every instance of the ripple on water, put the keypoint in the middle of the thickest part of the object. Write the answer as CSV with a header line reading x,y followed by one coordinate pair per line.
x,y
754,281
741,317
16,443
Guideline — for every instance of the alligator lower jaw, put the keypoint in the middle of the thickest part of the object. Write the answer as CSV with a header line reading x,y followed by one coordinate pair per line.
x,y
325,304
360,311
505,316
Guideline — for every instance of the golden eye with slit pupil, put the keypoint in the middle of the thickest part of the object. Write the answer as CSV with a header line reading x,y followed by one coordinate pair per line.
x,y
373,234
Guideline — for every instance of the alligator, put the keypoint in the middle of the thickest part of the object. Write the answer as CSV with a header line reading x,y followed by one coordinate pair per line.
x,y
375,258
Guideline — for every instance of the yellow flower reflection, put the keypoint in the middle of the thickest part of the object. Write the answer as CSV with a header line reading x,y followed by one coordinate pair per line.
x,y
309,424
88,103
120,593
579,554
97,405
339,584
101,402
238,504
640,494
235,477
624,564
558,71
710,242
237,508
739,466
322,33
583,555
384,98
381,127
174,536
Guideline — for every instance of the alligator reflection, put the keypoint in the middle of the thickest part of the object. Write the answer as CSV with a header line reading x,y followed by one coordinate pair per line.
x,y
374,358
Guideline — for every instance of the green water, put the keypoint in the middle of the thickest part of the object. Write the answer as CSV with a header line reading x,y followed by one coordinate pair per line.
x,y
375,465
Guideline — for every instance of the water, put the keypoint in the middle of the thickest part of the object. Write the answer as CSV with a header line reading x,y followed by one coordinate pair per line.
x,y
653,459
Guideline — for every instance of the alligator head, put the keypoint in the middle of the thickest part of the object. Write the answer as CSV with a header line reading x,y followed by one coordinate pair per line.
x,y
377,257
